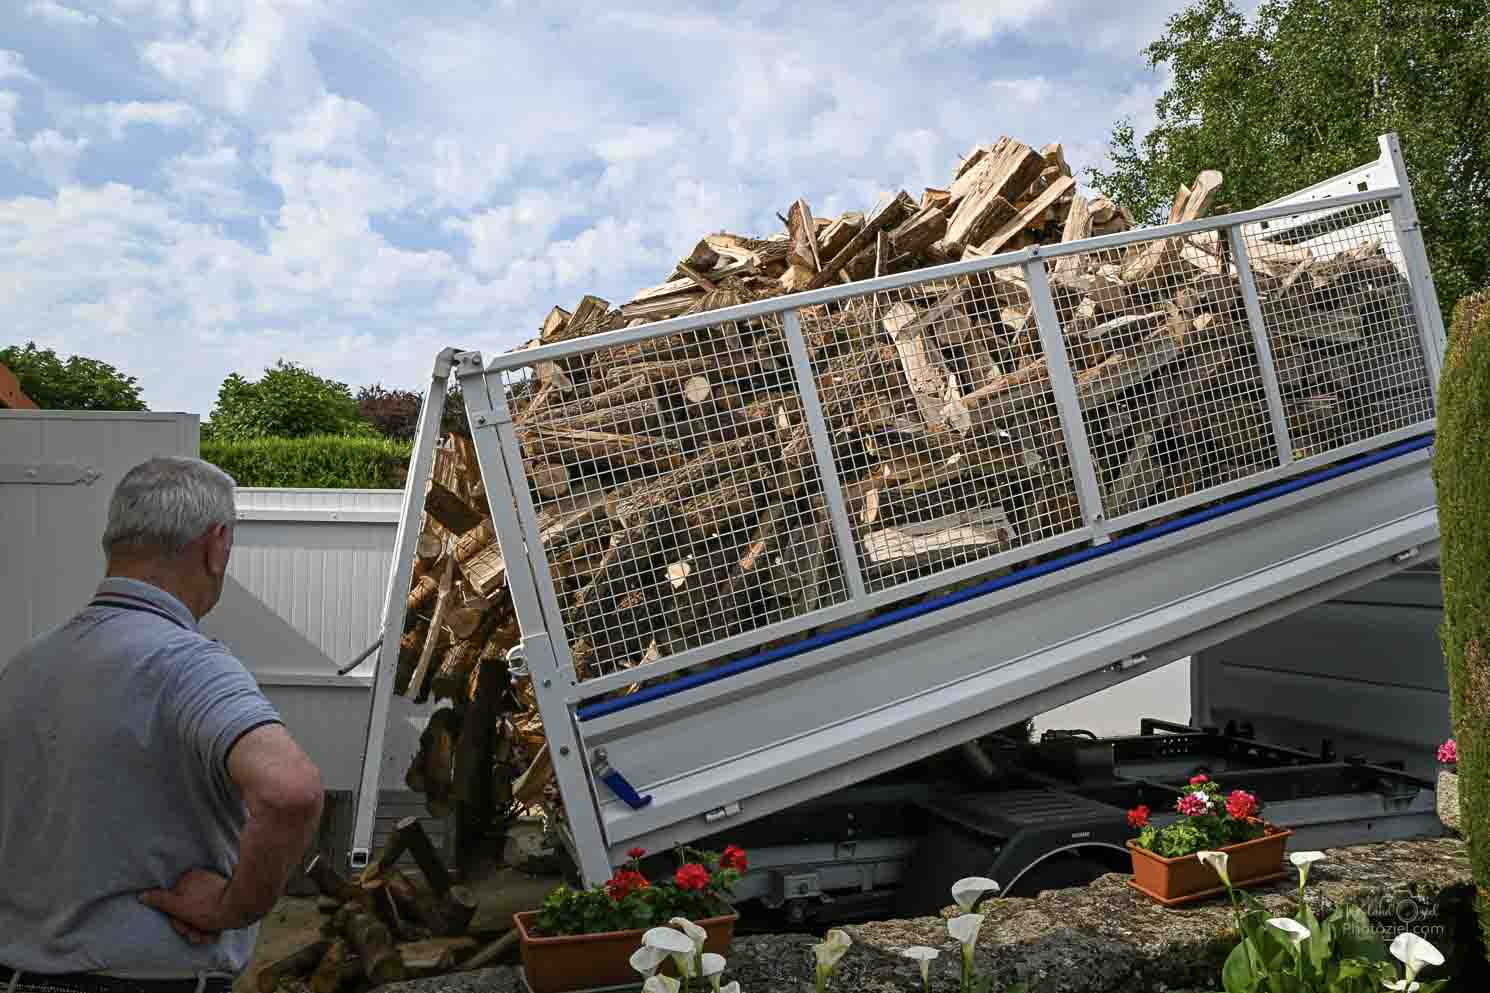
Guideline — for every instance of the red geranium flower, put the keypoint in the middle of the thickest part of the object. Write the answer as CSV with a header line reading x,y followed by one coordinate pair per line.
x,y
692,877
1192,804
1139,816
624,883
1241,804
636,853
734,858
1198,779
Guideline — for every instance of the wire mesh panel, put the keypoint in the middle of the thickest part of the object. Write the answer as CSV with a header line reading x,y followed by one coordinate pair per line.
x,y
1165,368
1338,312
671,502
946,438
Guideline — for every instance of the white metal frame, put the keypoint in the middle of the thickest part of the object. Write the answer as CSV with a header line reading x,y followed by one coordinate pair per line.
x,y
400,575
691,799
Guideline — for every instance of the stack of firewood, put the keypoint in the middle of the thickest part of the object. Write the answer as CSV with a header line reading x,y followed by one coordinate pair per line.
x,y
674,478
386,925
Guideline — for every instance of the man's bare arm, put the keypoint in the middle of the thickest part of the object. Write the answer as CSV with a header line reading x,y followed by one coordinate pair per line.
x,y
282,789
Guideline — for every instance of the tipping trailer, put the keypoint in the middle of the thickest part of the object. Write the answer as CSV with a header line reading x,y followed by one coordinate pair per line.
x,y
859,661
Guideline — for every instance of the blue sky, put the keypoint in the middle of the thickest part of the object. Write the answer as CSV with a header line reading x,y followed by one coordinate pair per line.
x,y
190,188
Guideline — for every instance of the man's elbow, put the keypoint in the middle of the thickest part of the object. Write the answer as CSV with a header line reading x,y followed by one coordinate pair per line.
x,y
296,795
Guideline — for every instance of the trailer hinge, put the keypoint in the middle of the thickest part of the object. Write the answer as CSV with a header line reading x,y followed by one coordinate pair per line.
x,y
618,783
720,813
492,419
49,474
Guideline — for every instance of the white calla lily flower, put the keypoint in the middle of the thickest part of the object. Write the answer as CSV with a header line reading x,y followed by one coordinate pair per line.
x,y
647,960
832,949
696,934
711,966
730,987
1217,861
1404,986
667,940
964,930
660,984
1414,952
1296,933
968,891
1302,861
923,956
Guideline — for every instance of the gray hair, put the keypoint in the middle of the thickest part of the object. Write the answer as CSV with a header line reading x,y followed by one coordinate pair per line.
x,y
164,504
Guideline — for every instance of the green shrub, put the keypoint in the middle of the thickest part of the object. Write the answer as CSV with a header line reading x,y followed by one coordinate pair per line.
x,y
1461,472
288,401
320,461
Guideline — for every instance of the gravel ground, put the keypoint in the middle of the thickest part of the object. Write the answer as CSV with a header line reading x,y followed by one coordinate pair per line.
x,y
1104,937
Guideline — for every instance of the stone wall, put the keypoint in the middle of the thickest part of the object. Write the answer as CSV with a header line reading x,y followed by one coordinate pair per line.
x,y
1107,937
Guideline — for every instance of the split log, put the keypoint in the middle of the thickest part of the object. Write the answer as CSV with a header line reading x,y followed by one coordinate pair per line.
x,y
330,969
836,236
916,234
802,234
453,513
570,447
331,883
434,956
923,371
374,944
988,191
296,965
1024,218
913,549
442,600
493,952
414,903
866,234
418,845
528,788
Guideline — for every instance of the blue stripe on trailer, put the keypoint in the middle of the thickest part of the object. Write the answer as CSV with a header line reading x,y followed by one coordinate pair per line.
x,y
1003,582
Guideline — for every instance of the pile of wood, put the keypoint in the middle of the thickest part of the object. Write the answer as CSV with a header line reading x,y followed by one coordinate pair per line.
x,y
675,482
387,925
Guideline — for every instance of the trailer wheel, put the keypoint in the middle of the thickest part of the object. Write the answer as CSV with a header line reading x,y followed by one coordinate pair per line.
x,y
1057,873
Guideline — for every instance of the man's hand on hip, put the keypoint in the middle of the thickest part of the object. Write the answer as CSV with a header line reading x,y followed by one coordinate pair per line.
x,y
194,906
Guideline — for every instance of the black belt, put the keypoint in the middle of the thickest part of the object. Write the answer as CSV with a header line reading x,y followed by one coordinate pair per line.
x,y
92,982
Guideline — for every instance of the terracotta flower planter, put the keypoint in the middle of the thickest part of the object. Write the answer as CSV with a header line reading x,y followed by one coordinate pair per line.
x,y
594,961
1186,879
1448,798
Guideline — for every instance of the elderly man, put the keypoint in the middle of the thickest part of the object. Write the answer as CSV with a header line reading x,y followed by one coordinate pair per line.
x,y
152,805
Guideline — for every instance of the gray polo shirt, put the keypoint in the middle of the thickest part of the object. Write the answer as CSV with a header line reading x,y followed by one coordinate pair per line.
x,y
115,730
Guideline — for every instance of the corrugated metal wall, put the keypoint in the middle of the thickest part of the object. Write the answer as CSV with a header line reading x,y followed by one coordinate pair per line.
x,y
304,597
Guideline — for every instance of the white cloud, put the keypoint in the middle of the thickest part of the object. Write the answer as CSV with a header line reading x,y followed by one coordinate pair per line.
x,y
13,66
55,155
240,55
980,20
60,15
8,103
160,113
356,184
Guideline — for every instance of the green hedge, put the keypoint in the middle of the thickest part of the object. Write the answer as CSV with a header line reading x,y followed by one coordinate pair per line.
x,y
1462,474
321,461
